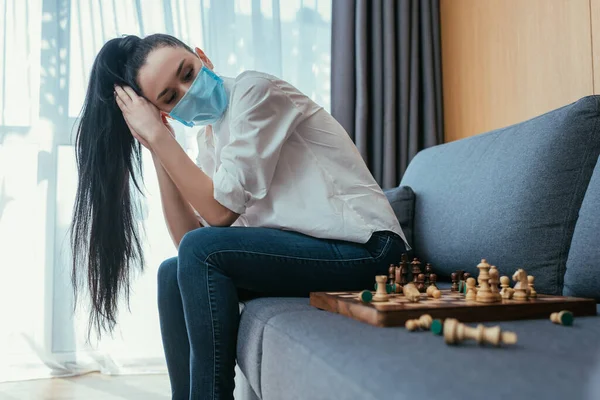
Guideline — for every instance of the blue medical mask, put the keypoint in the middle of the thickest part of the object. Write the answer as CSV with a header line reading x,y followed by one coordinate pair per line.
x,y
205,101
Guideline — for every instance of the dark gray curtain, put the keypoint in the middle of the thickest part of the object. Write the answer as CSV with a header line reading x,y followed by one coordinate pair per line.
x,y
386,80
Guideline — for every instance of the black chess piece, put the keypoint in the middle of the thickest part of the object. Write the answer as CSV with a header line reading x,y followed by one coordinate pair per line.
x,y
421,282
416,269
432,279
404,269
454,278
463,285
391,274
428,271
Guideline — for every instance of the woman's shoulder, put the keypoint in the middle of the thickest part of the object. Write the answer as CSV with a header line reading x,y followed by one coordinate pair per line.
x,y
254,85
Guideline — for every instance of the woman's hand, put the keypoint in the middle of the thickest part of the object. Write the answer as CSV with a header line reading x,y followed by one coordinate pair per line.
x,y
142,117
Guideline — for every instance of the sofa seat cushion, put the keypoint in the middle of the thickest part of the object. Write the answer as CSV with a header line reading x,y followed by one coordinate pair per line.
x,y
312,354
511,196
255,315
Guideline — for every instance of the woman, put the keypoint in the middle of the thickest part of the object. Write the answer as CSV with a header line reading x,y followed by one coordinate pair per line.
x,y
280,203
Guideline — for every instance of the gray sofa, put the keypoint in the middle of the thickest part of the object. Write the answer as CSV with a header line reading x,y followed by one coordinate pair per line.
x,y
526,196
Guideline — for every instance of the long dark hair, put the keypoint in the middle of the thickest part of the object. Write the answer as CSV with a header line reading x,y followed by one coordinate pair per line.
x,y
105,238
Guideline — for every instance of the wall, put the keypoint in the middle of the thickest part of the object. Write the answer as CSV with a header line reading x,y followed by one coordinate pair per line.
x,y
505,61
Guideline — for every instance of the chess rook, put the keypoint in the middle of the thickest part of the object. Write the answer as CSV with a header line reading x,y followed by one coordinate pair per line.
x,y
455,332
381,294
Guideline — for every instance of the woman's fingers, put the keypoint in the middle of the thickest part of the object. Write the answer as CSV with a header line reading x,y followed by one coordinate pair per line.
x,y
120,103
123,95
130,92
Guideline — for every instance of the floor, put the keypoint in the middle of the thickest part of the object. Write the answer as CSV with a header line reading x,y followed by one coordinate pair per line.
x,y
90,387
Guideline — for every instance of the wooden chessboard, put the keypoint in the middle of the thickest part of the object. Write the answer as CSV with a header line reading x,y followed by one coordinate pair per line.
x,y
397,310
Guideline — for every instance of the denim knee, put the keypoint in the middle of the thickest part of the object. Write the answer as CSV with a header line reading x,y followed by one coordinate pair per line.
x,y
167,272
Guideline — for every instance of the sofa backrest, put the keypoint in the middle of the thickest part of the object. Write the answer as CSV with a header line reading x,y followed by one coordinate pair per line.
x,y
583,265
511,195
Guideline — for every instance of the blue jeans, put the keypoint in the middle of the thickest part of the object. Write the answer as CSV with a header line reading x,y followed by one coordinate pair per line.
x,y
199,292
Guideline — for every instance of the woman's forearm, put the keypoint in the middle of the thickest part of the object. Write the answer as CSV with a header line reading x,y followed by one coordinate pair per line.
x,y
193,184
179,215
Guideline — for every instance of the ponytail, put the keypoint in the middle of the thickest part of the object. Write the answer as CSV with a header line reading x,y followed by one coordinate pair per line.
x,y
105,237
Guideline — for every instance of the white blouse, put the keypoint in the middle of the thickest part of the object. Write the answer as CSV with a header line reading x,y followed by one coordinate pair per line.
x,y
281,161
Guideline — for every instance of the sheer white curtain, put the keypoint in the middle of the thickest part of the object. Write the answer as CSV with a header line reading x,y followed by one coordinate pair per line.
x,y
46,50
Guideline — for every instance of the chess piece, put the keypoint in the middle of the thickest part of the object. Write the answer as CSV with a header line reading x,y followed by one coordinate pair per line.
x,y
398,275
382,293
532,292
416,269
433,280
433,291
428,272
391,274
455,332
484,293
522,286
424,322
463,284
506,292
421,283
454,278
494,280
437,327
404,269
562,318
365,296
471,291
411,292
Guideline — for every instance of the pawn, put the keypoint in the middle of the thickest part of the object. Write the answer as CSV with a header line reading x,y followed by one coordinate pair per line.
x,y
421,283
382,293
433,280
455,332
506,291
454,278
365,296
494,280
471,290
530,280
433,291
424,322
463,284
562,318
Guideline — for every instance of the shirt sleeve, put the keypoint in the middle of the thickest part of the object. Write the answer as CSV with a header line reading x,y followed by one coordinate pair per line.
x,y
262,117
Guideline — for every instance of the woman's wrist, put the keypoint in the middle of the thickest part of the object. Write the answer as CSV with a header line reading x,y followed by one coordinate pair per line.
x,y
158,136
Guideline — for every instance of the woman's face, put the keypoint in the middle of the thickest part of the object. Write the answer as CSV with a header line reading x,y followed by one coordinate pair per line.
x,y
168,73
